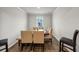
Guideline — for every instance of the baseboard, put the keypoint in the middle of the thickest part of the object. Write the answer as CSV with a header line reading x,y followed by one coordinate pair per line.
x,y
12,44
56,40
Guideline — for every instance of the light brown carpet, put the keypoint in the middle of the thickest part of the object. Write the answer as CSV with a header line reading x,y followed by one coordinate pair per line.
x,y
48,47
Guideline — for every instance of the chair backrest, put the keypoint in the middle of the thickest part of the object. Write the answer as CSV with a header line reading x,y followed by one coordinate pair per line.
x,y
26,36
50,30
38,37
35,28
75,39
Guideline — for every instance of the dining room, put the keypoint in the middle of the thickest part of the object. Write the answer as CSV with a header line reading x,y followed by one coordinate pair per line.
x,y
39,29
27,29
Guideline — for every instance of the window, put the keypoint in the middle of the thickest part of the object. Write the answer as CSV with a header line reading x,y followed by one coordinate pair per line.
x,y
39,21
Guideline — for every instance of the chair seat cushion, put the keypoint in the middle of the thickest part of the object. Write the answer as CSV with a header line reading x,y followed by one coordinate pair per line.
x,y
3,42
67,41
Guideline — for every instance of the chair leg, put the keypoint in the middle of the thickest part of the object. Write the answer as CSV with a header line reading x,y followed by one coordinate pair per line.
x,y
22,47
74,48
19,42
51,41
43,47
6,47
60,46
31,47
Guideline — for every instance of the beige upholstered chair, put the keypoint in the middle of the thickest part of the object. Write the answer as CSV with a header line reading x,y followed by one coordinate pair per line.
x,y
38,38
50,31
26,37
35,28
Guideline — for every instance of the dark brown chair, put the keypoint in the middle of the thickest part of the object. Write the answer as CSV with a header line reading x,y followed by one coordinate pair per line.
x,y
68,42
4,42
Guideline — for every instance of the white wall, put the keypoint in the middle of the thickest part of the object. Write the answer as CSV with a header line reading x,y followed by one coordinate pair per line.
x,y
32,20
65,21
12,21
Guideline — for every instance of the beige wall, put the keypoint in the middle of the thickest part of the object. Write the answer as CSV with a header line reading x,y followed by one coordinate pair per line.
x,y
65,22
12,21
32,20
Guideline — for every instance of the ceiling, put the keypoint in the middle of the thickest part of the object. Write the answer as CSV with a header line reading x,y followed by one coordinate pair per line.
x,y
38,10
